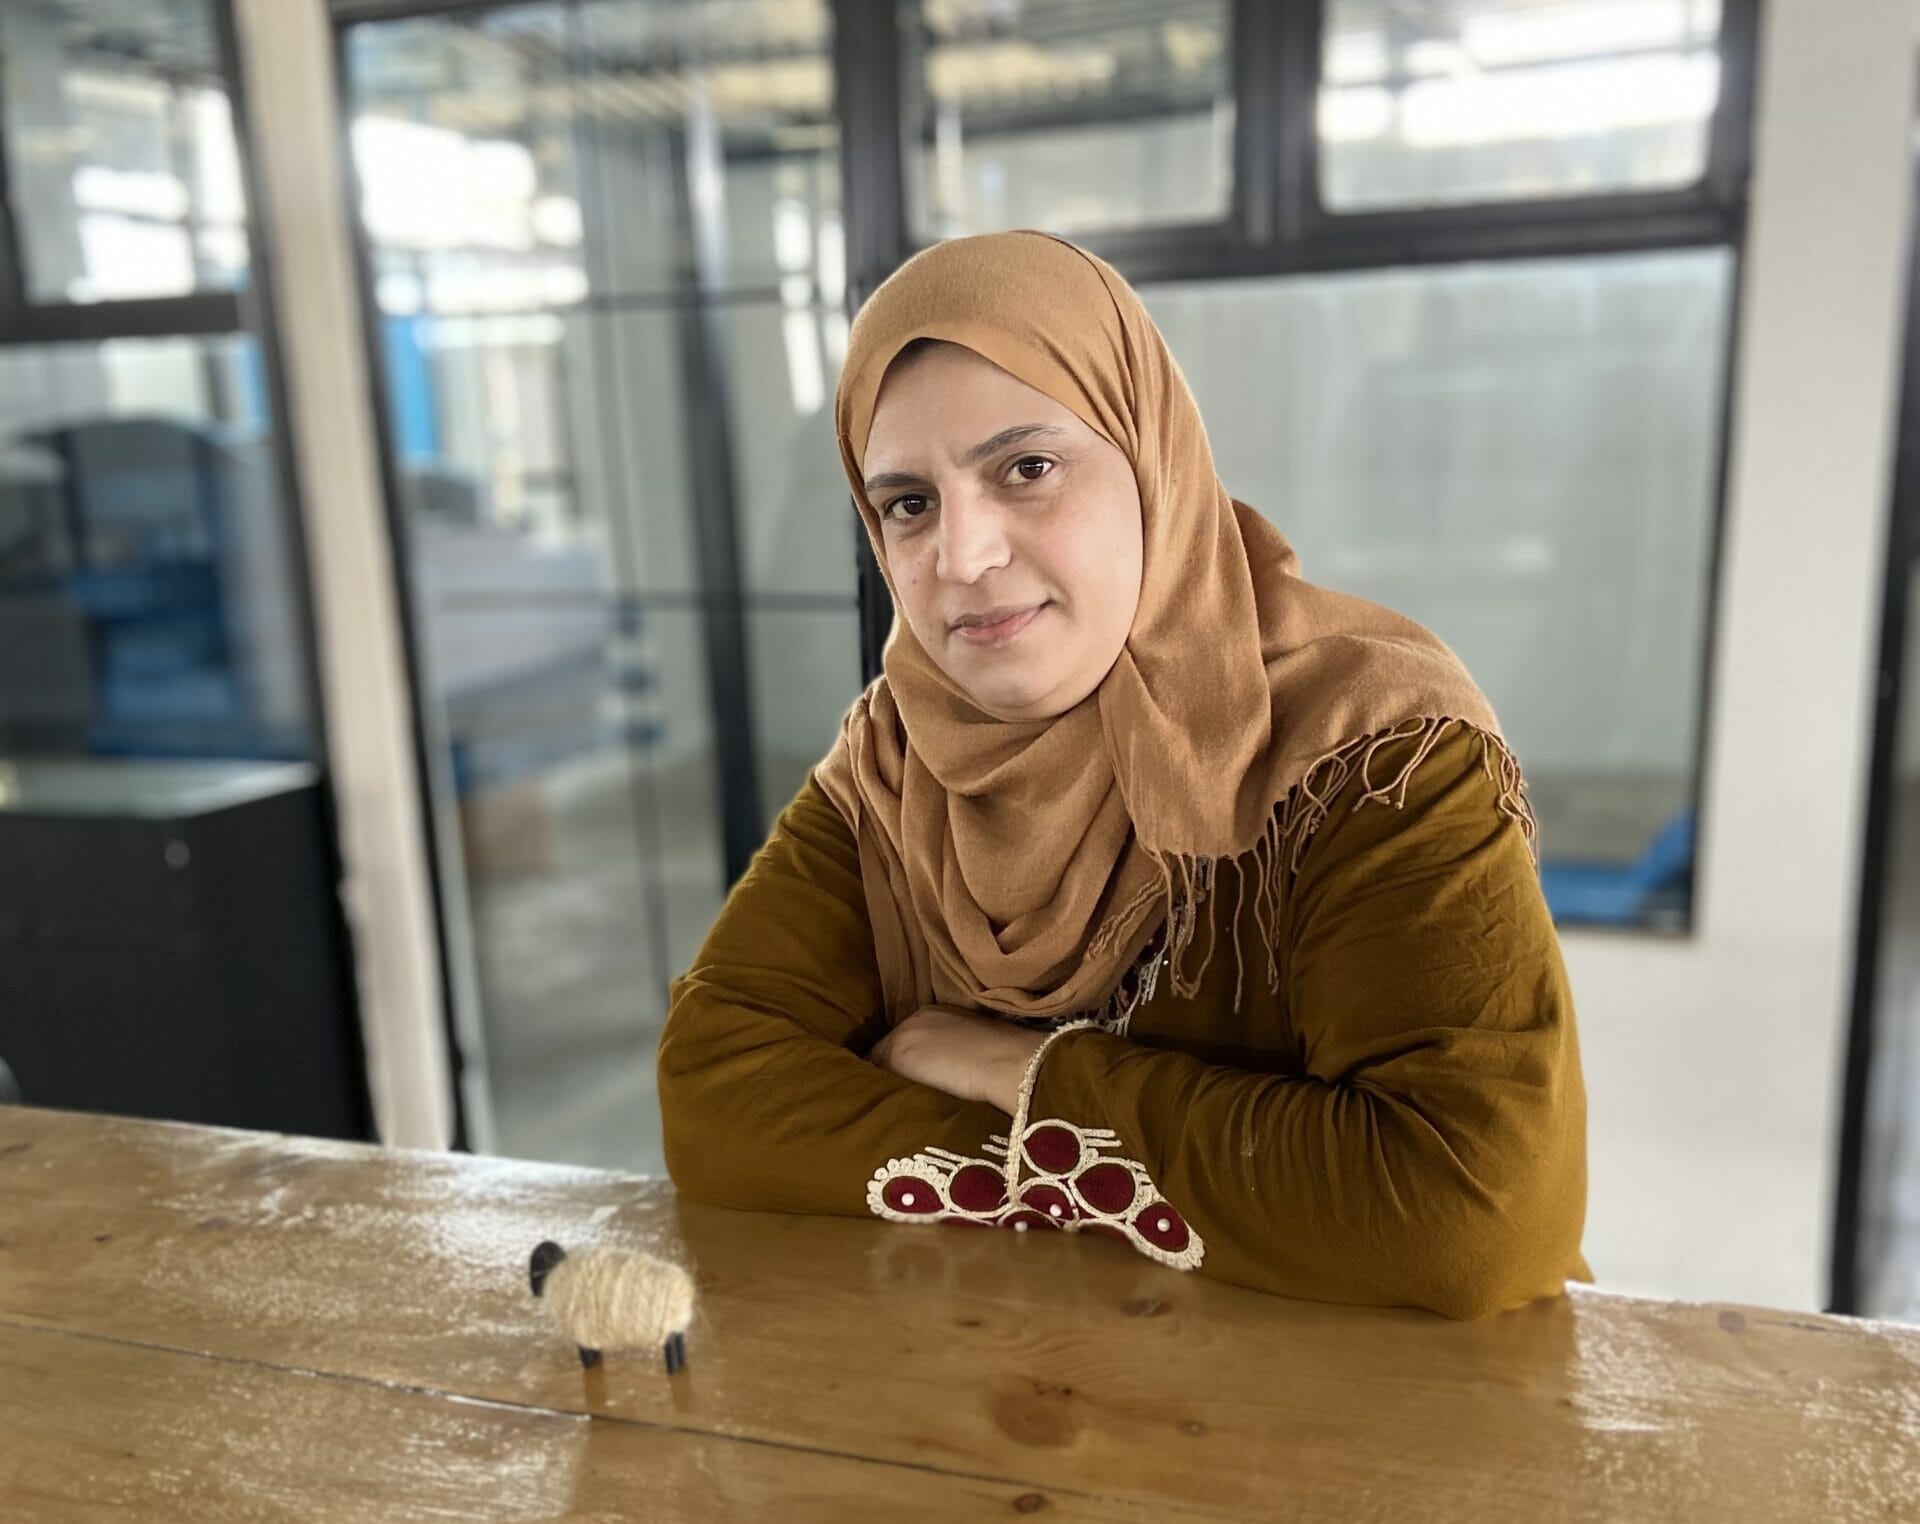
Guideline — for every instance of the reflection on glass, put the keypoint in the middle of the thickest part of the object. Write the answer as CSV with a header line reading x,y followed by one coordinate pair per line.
x,y
1427,102
525,157
147,596
611,278
573,431
631,426
797,526
1068,115
122,175
550,721
806,671
677,718
1521,457
583,744
716,145
516,394
464,148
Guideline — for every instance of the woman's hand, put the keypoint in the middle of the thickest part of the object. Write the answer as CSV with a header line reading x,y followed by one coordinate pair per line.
x,y
973,1058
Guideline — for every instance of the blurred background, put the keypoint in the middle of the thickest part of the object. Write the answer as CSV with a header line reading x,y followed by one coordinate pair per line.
x,y
426,569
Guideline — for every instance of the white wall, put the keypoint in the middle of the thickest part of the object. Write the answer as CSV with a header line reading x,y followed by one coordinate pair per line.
x,y
1713,1064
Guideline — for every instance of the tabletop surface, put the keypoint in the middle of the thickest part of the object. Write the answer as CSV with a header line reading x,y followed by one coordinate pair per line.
x,y
211,1325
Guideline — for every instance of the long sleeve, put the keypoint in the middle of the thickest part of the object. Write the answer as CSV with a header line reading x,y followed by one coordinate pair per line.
x,y
766,1099
1429,1146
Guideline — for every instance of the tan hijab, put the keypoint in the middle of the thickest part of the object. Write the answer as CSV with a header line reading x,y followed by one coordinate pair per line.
x,y
1021,867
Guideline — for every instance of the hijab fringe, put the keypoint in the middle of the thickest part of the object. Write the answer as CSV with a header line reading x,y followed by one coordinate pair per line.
x,y
1185,880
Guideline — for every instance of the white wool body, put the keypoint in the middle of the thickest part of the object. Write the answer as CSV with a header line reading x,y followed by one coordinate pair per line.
x,y
615,1299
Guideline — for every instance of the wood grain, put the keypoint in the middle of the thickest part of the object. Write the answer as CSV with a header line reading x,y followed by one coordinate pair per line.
x,y
90,1429
1056,1363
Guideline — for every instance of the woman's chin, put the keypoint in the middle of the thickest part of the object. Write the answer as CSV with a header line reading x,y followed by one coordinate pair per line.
x,y
1009,695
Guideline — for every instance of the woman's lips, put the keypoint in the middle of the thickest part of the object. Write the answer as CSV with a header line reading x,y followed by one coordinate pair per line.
x,y
999,633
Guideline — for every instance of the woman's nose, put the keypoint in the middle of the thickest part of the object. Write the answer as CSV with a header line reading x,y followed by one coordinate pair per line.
x,y
972,539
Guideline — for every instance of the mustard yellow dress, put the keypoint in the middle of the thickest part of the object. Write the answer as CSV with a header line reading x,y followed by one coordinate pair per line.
x,y
1403,1122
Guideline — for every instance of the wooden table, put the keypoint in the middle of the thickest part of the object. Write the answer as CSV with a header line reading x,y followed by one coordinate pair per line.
x,y
210,1325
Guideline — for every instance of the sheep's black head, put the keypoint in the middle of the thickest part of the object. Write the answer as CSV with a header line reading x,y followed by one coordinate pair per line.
x,y
545,1257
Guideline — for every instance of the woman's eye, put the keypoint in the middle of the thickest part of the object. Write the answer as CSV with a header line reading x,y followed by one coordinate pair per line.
x,y
1033,467
909,507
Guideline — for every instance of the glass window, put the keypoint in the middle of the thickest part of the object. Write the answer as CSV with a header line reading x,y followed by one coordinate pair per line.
x,y
1434,102
484,145
714,136
806,670
611,277
559,831
1522,457
1067,115
783,364
122,175
148,603
464,147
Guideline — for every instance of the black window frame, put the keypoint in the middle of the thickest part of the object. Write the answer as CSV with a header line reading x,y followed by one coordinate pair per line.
x,y
1277,223
197,314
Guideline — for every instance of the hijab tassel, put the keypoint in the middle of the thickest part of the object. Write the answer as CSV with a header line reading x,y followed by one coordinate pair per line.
x,y
1275,856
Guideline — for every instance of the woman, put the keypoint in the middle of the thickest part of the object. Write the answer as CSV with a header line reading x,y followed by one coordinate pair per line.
x,y
1152,891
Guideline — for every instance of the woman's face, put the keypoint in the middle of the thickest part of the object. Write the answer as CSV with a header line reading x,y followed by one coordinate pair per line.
x,y
1011,530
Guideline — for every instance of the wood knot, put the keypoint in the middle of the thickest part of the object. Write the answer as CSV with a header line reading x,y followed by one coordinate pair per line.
x,y
1029,1502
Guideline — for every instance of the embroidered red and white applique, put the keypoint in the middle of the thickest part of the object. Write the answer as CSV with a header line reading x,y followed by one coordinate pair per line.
x,y
1064,1177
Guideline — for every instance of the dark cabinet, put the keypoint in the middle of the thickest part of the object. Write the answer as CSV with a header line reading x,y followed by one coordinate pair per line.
x,y
171,945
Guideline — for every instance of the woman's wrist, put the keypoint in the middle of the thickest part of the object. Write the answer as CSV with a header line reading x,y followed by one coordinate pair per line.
x,y
1007,1070
966,1055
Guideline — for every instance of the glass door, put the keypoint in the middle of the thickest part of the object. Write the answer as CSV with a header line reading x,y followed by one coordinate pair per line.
x,y
605,252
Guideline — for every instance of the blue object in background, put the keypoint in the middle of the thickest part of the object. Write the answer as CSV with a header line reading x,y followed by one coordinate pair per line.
x,y
139,539
250,411
416,418
1649,887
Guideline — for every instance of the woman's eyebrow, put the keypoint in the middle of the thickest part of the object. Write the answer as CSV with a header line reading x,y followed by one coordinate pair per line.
x,y
888,479
1006,437
979,452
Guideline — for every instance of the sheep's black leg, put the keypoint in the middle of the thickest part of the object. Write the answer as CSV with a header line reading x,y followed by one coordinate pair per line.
x,y
676,1353
589,1358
